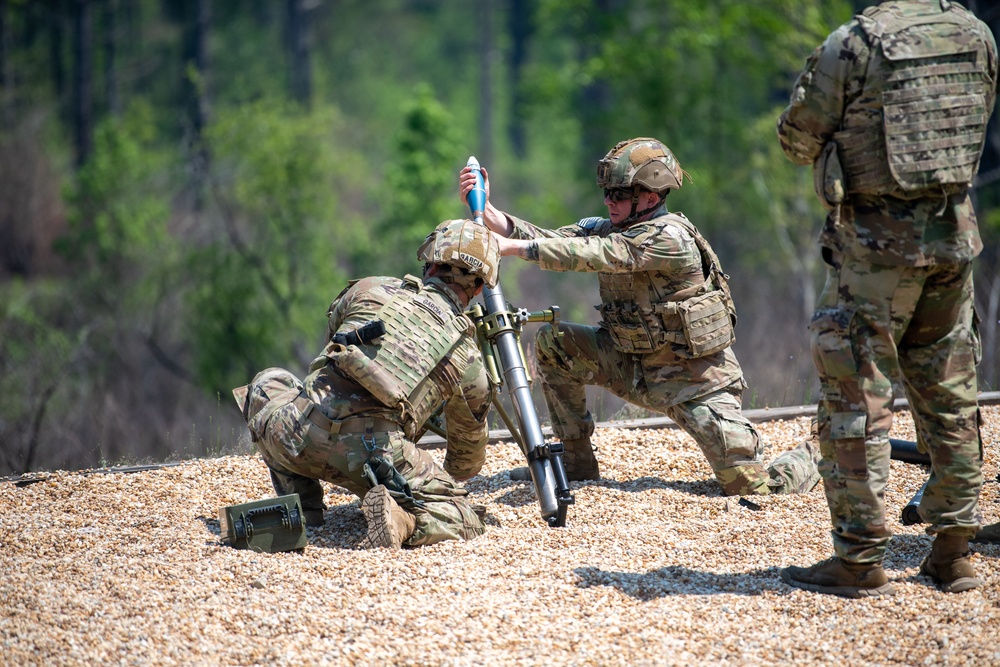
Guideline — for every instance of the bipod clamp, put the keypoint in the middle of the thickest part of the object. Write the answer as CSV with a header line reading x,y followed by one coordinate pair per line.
x,y
551,314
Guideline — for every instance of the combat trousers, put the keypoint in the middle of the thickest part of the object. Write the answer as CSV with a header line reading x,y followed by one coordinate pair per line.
x,y
299,454
712,416
872,321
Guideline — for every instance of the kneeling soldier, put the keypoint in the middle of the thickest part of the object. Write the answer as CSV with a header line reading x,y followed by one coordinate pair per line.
x,y
397,349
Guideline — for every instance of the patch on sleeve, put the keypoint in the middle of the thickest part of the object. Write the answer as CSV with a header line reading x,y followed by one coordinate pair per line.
x,y
590,224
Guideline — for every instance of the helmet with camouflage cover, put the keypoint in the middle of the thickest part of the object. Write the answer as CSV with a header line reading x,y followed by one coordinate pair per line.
x,y
466,245
643,162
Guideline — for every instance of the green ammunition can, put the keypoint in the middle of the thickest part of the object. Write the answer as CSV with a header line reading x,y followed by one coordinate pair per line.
x,y
267,526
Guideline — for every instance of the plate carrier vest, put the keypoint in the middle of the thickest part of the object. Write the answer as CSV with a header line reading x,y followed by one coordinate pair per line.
x,y
419,333
928,71
696,321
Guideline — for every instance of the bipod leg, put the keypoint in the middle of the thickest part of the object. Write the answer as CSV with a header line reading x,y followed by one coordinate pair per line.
x,y
563,494
910,514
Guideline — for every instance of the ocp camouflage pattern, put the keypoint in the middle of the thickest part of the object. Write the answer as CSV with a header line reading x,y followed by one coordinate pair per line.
x,y
871,322
898,299
300,453
831,95
702,395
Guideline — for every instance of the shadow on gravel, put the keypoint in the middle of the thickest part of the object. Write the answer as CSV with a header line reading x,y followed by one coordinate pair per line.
x,y
905,554
679,580
212,525
703,488
522,493
520,496
343,528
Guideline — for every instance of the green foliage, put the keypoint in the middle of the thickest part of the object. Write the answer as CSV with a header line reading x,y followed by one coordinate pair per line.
x,y
694,75
420,186
32,351
167,287
36,361
781,214
118,206
260,289
123,255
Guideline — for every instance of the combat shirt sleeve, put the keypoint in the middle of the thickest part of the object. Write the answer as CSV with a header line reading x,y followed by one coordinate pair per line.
x,y
831,76
357,304
465,418
524,230
645,246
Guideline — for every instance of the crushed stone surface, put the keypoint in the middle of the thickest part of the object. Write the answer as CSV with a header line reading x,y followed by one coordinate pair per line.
x,y
654,567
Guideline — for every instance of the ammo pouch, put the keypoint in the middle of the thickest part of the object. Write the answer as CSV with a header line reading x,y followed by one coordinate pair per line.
x,y
706,324
635,329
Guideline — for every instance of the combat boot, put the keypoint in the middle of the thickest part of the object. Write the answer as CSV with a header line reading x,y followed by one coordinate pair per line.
x,y
314,518
948,564
990,534
389,525
579,462
835,576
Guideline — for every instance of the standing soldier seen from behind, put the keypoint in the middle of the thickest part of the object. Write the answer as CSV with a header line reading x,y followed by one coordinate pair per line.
x,y
891,111
666,327
397,349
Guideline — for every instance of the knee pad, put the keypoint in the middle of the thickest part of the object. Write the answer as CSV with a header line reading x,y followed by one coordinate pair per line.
x,y
744,480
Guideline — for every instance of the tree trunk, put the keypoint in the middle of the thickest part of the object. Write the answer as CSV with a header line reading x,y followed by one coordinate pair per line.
x,y
111,98
300,74
57,40
6,71
595,97
522,27
484,20
83,129
196,92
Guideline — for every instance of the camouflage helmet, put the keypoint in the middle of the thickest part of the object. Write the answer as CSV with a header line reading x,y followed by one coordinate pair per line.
x,y
644,162
466,245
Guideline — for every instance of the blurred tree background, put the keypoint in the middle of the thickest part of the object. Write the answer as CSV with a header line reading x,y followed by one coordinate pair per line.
x,y
185,185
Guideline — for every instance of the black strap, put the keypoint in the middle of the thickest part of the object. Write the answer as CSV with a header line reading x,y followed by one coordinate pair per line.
x,y
364,335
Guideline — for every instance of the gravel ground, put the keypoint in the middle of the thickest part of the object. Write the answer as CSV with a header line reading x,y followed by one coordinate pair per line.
x,y
655,567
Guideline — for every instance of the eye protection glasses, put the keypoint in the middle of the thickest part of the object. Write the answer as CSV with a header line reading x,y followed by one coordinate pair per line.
x,y
617,194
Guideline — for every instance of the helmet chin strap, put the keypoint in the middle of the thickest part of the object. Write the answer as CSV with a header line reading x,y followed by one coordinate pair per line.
x,y
636,216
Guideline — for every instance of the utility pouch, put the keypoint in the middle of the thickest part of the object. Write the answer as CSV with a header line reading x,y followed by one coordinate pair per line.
x,y
634,330
706,323
828,177
266,526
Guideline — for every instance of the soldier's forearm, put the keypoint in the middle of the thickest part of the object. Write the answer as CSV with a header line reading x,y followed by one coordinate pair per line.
x,y
497,220
522,248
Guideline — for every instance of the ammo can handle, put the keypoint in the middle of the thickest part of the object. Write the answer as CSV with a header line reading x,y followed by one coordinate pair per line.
x,y
289,519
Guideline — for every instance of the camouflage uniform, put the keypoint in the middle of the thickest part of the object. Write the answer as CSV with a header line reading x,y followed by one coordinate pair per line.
x,y
330,427
701,394
891,110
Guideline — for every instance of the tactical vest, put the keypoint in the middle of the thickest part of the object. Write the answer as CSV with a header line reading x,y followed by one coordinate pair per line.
x,y
928,71
647,310
419,333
